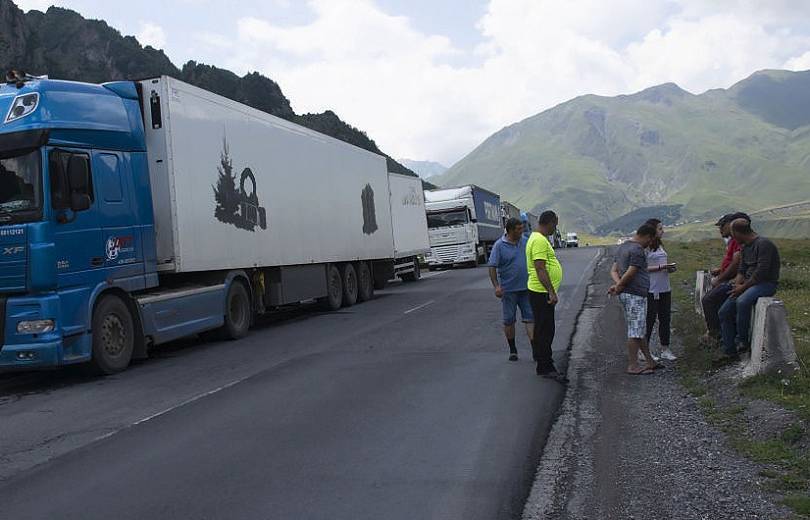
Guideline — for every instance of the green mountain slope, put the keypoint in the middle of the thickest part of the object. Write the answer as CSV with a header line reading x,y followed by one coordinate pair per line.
x,y
64,45
594,159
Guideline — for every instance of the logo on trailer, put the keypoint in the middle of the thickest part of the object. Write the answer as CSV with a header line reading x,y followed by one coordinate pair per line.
x,y
118,245
239,207
491,211
412,198
369,210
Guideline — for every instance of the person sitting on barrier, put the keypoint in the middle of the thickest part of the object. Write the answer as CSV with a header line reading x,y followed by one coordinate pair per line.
x,y
632,285
721,278
757,277
509,276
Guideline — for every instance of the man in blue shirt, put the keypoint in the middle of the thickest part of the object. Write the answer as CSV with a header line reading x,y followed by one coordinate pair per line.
x,y
509,276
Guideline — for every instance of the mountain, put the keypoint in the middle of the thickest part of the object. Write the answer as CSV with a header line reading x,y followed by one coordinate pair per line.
x,y
64,45
595,159
424,169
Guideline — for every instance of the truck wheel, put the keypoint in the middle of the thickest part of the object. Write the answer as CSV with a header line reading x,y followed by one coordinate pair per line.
x,y
350,285
365,283
237,312
334,287
113,336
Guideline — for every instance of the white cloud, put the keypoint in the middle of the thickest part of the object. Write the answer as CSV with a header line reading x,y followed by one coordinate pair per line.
x,y
38,5
151,34
799,62
402,86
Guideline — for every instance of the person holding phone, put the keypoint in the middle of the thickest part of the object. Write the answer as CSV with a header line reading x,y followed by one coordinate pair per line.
x,y
659,298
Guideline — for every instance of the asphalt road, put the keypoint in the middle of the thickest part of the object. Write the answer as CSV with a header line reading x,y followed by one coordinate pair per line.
x,y
403,407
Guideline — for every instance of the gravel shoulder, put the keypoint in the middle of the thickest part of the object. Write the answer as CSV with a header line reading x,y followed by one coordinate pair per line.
x,y
637,447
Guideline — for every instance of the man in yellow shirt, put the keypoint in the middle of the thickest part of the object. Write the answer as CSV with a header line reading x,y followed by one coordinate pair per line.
x,y
545,276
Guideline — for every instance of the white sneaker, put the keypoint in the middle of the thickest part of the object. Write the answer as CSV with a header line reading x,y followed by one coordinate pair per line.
x,y
668,355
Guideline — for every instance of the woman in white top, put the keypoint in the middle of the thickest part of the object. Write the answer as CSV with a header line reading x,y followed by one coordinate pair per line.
x,y
659,299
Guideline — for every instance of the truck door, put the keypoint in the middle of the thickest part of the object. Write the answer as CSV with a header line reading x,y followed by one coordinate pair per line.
x,y
123,254
77,235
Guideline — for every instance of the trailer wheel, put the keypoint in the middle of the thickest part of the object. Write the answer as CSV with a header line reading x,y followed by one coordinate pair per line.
x,y
113,336
334,287
237,312
350,285
365,283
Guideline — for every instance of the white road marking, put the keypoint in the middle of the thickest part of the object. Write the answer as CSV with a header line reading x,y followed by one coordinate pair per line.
x,y
171,408
419,307
435,273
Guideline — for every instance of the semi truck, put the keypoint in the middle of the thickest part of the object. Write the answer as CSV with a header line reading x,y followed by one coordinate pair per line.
x,y
133,213
463,224
530,222
409,225
508,210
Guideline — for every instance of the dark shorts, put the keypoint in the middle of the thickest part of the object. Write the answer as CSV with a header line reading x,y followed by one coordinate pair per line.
x,y
511,301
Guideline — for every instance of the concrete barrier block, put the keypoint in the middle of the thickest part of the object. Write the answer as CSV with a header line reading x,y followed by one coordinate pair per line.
x,y
772,348
703,284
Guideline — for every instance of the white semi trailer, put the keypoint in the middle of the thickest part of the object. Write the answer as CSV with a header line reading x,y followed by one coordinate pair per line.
x,y
409,224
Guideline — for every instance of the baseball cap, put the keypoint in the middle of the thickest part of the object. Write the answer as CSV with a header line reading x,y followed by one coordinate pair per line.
x,y
725,219
734,216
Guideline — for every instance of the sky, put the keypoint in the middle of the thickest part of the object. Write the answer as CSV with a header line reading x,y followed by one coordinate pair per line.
x,y
431,79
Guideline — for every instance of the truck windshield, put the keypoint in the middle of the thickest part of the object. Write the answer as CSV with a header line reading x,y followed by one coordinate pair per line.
x,y
450,218
20,187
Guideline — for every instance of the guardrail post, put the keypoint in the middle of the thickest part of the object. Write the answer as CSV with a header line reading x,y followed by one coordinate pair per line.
x,y
772,348
703,284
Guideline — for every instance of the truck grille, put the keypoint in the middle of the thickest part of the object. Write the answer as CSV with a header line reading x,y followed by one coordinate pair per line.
x,y
13,259
2,321
446,254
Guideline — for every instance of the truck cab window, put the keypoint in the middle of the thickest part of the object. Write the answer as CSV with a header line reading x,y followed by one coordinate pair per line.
x,y
20,183
60,187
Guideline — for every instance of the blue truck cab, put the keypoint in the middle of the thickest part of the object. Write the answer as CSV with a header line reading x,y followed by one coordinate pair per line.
x,y
76,221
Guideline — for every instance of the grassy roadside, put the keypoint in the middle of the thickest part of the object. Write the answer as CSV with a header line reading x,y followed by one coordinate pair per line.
x,y
784,453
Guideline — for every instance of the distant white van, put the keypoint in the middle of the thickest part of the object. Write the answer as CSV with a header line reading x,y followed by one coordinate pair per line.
x,y
571,240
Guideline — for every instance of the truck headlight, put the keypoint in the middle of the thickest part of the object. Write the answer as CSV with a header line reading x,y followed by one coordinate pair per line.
x,y
23,106
35,326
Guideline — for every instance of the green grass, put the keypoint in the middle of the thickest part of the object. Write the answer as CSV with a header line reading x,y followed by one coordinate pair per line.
x,y
788,470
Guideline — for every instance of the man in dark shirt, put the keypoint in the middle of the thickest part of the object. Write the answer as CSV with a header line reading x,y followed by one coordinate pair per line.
x,y
722,278
632,285
758,277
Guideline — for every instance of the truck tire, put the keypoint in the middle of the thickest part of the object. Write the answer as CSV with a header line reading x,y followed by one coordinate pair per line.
x,y
350,285
334,290
113,336
415,275
237,312
365,282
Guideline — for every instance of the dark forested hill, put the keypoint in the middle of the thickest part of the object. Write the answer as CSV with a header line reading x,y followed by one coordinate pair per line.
x,y
64,45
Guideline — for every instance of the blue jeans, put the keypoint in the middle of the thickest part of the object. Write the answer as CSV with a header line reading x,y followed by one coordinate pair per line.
x,y
735,316
511,301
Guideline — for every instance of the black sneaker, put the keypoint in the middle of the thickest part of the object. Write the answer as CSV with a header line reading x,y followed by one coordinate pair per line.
x,y
556,376
513,356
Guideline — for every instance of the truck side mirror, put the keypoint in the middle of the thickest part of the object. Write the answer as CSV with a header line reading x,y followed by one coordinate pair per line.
x,y
79,201
78,173
79,180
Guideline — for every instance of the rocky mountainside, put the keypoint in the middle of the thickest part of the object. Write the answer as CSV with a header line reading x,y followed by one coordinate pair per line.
x,y
64,45
595,159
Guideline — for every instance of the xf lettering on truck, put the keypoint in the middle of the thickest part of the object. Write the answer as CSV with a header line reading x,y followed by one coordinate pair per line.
x,y
14,250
